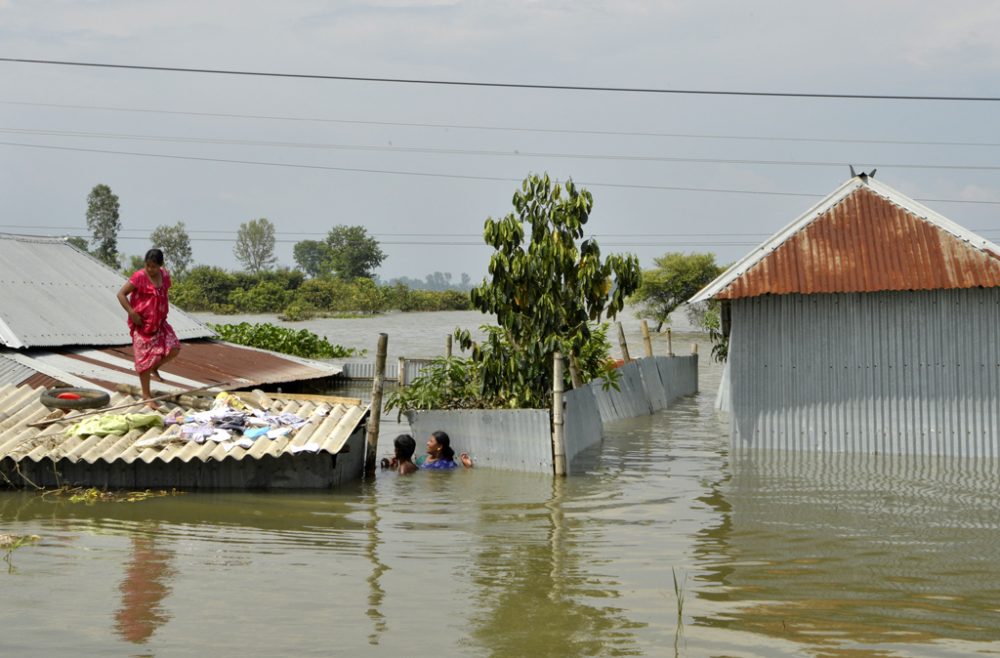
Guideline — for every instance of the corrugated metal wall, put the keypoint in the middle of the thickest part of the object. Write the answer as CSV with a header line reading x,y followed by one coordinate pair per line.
x,y
890,372
521,439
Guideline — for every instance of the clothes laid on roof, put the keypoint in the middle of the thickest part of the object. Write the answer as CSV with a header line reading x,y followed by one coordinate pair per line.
x,y
107,424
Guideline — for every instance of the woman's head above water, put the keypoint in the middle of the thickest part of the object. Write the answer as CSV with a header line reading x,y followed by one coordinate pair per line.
x,y
439,446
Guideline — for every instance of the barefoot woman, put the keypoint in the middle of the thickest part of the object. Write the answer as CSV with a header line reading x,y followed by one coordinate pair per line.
x,y
144,298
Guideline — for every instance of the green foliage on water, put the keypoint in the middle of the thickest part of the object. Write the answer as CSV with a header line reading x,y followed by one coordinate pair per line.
x,y
288,293
267,336
444,383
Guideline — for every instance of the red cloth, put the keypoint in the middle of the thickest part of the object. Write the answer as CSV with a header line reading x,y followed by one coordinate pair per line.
x,y
155,337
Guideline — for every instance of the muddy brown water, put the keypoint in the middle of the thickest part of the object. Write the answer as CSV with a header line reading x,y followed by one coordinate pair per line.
x,y
664,545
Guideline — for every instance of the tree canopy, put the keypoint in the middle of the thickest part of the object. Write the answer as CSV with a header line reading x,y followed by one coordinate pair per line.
x,y
312,257
176,246
353,254
547,290
104,223
255,245
674,280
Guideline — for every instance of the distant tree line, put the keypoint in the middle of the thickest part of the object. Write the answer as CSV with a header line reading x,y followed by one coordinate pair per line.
x,y
333,276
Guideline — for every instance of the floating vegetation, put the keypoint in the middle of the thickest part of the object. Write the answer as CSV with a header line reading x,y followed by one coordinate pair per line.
x,y
10,543
91,495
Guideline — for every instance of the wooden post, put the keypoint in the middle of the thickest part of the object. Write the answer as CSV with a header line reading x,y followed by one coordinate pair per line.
x,y
670,342
622,343
574,372
646,339
375,414
558,428
447,346
694,348
401,366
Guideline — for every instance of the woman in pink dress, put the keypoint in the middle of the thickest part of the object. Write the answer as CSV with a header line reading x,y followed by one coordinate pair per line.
x,y
144,298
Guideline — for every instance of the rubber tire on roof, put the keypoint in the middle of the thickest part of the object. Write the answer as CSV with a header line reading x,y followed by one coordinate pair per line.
x,y
89,398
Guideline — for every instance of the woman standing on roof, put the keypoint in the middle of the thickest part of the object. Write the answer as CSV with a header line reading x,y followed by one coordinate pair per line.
x,y
144,298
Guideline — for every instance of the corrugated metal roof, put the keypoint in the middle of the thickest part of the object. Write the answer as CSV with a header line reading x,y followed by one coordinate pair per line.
x,y
201,362
329,427
52,294
865,237
12,372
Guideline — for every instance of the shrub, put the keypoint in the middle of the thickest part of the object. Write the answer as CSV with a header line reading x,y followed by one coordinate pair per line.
x,y
267,336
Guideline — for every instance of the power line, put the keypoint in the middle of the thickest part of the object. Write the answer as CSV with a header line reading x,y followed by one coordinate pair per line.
x,y
480,152
455,126
502,85
634,186
322,234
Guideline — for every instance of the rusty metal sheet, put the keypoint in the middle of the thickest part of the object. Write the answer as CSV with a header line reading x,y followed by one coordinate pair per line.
x,y
865,237
200,363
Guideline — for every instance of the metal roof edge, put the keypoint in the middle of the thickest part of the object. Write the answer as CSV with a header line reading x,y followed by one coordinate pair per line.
x,y
330,368
738,268
29,361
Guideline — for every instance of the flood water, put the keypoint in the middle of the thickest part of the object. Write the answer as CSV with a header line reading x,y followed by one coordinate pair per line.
x,y
661,545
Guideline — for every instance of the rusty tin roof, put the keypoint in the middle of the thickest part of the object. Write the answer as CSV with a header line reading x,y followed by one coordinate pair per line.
x,y
201,362
865,237
329,427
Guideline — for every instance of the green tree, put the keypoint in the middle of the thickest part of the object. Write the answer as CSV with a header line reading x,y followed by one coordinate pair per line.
x,y
547,290
674,280
353,253
255,245
104,223
78,242
176,246
312,257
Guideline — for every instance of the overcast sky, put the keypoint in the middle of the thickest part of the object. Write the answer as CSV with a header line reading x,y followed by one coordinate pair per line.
x,y
429,215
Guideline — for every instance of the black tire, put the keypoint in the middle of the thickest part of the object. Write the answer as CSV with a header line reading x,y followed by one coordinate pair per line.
x,y
89,398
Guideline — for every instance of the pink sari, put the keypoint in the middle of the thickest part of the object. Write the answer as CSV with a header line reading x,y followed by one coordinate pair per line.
x,y
154,339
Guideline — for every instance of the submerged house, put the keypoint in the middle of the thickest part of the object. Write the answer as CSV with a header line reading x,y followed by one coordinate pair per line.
x,y
869,324
61,325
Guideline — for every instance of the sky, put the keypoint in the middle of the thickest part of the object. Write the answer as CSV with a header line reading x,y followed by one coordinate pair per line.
x,y
422,166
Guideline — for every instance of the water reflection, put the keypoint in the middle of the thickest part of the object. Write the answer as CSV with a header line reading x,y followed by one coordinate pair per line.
x,y
537,595
143,588
854,551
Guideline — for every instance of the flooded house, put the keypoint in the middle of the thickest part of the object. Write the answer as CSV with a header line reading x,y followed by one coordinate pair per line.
x,y
870,324
61,325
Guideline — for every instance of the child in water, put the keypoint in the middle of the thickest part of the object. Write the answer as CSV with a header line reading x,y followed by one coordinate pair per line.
x,y
402,461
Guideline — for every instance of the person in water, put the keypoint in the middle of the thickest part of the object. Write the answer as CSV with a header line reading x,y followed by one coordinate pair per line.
x,y
440,454
402,461
145,298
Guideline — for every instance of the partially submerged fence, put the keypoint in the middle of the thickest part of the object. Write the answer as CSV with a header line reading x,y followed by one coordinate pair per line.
x,y
521,439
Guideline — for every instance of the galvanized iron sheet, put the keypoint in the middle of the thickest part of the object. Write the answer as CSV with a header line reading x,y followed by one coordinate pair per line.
x,y
508,439
200,363
13,372
53,294
20,406
582,425
893,372
865,237
521,439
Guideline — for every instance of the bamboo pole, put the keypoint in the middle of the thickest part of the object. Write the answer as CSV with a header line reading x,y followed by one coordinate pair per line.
x,y
401,367
670,342
447,346
621,343
646,340
694,348
574,372
558,427
375,413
